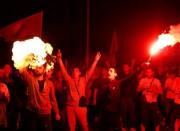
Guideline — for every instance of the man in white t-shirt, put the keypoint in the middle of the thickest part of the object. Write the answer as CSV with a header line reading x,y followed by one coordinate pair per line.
x,y
169,95
150,87
176,90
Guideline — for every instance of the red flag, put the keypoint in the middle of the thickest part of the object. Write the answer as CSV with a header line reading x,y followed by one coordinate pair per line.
x,y
113,50
24,28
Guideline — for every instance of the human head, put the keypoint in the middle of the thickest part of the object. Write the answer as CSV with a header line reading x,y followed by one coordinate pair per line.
x,y
76,73
7,69
149,72
112,73
39,70
172,73
126,69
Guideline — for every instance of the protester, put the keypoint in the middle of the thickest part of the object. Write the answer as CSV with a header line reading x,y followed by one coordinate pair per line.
x,y
176,89
98,91
128,98
60,92
110,115
4,100
41,99
150,87
76,93
16,90
169,95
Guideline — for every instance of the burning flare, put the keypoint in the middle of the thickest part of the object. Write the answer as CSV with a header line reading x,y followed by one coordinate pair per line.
x,y
169,39
163,41
31,53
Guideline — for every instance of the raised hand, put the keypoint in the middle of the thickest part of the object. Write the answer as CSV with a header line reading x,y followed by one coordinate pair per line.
x,y
57,117
59,54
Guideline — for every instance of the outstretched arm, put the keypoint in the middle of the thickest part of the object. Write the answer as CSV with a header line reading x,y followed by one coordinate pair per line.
x,y
62,67
93,66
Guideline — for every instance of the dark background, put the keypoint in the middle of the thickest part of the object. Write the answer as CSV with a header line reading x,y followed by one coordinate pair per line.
x,y
137,22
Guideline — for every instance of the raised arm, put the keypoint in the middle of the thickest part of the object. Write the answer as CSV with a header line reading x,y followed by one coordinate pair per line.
x,y
62,67
25,74
93,66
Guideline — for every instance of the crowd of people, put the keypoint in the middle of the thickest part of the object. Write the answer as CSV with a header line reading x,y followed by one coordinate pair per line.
x,y
104,98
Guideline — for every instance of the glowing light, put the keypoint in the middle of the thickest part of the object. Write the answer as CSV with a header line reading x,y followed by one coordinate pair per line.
x,y
31,53
163,41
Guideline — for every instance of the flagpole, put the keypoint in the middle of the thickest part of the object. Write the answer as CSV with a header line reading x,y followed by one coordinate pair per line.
x,y
87,32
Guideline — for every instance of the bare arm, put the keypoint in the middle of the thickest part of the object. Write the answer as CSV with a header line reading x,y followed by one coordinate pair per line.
x,y
93,66
54,102
140,86
158,89
62,67
25,74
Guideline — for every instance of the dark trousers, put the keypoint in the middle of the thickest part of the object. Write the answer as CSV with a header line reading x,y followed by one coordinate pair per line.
x,y
109,121
13,119
128,112
169,111
150,115
36,122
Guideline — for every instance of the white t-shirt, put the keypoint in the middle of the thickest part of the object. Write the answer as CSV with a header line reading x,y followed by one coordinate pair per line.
x,y
169,85
151,88
176,89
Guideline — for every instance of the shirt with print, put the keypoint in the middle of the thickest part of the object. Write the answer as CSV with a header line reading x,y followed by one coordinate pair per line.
x,y
151,88
169,87
176,89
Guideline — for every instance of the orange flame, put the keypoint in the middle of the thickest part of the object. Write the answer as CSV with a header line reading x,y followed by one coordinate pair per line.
x,y
31,53
163,41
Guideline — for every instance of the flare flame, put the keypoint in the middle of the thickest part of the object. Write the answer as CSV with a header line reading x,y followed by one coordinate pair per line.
x,y
31,53
163,41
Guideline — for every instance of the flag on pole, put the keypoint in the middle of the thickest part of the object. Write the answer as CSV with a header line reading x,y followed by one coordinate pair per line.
x,y
23,29
113,50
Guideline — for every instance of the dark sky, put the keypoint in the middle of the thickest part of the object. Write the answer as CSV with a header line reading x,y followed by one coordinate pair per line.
x,y
137,22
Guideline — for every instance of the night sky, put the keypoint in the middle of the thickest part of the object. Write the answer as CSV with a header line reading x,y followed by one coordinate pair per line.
x,y
137,22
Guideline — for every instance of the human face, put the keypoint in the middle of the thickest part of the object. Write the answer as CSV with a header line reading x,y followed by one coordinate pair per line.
x,y
126,69
7,69
149,73
112,73
76,73
40,70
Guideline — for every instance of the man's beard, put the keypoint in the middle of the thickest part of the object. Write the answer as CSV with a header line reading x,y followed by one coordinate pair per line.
x,y
37,74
